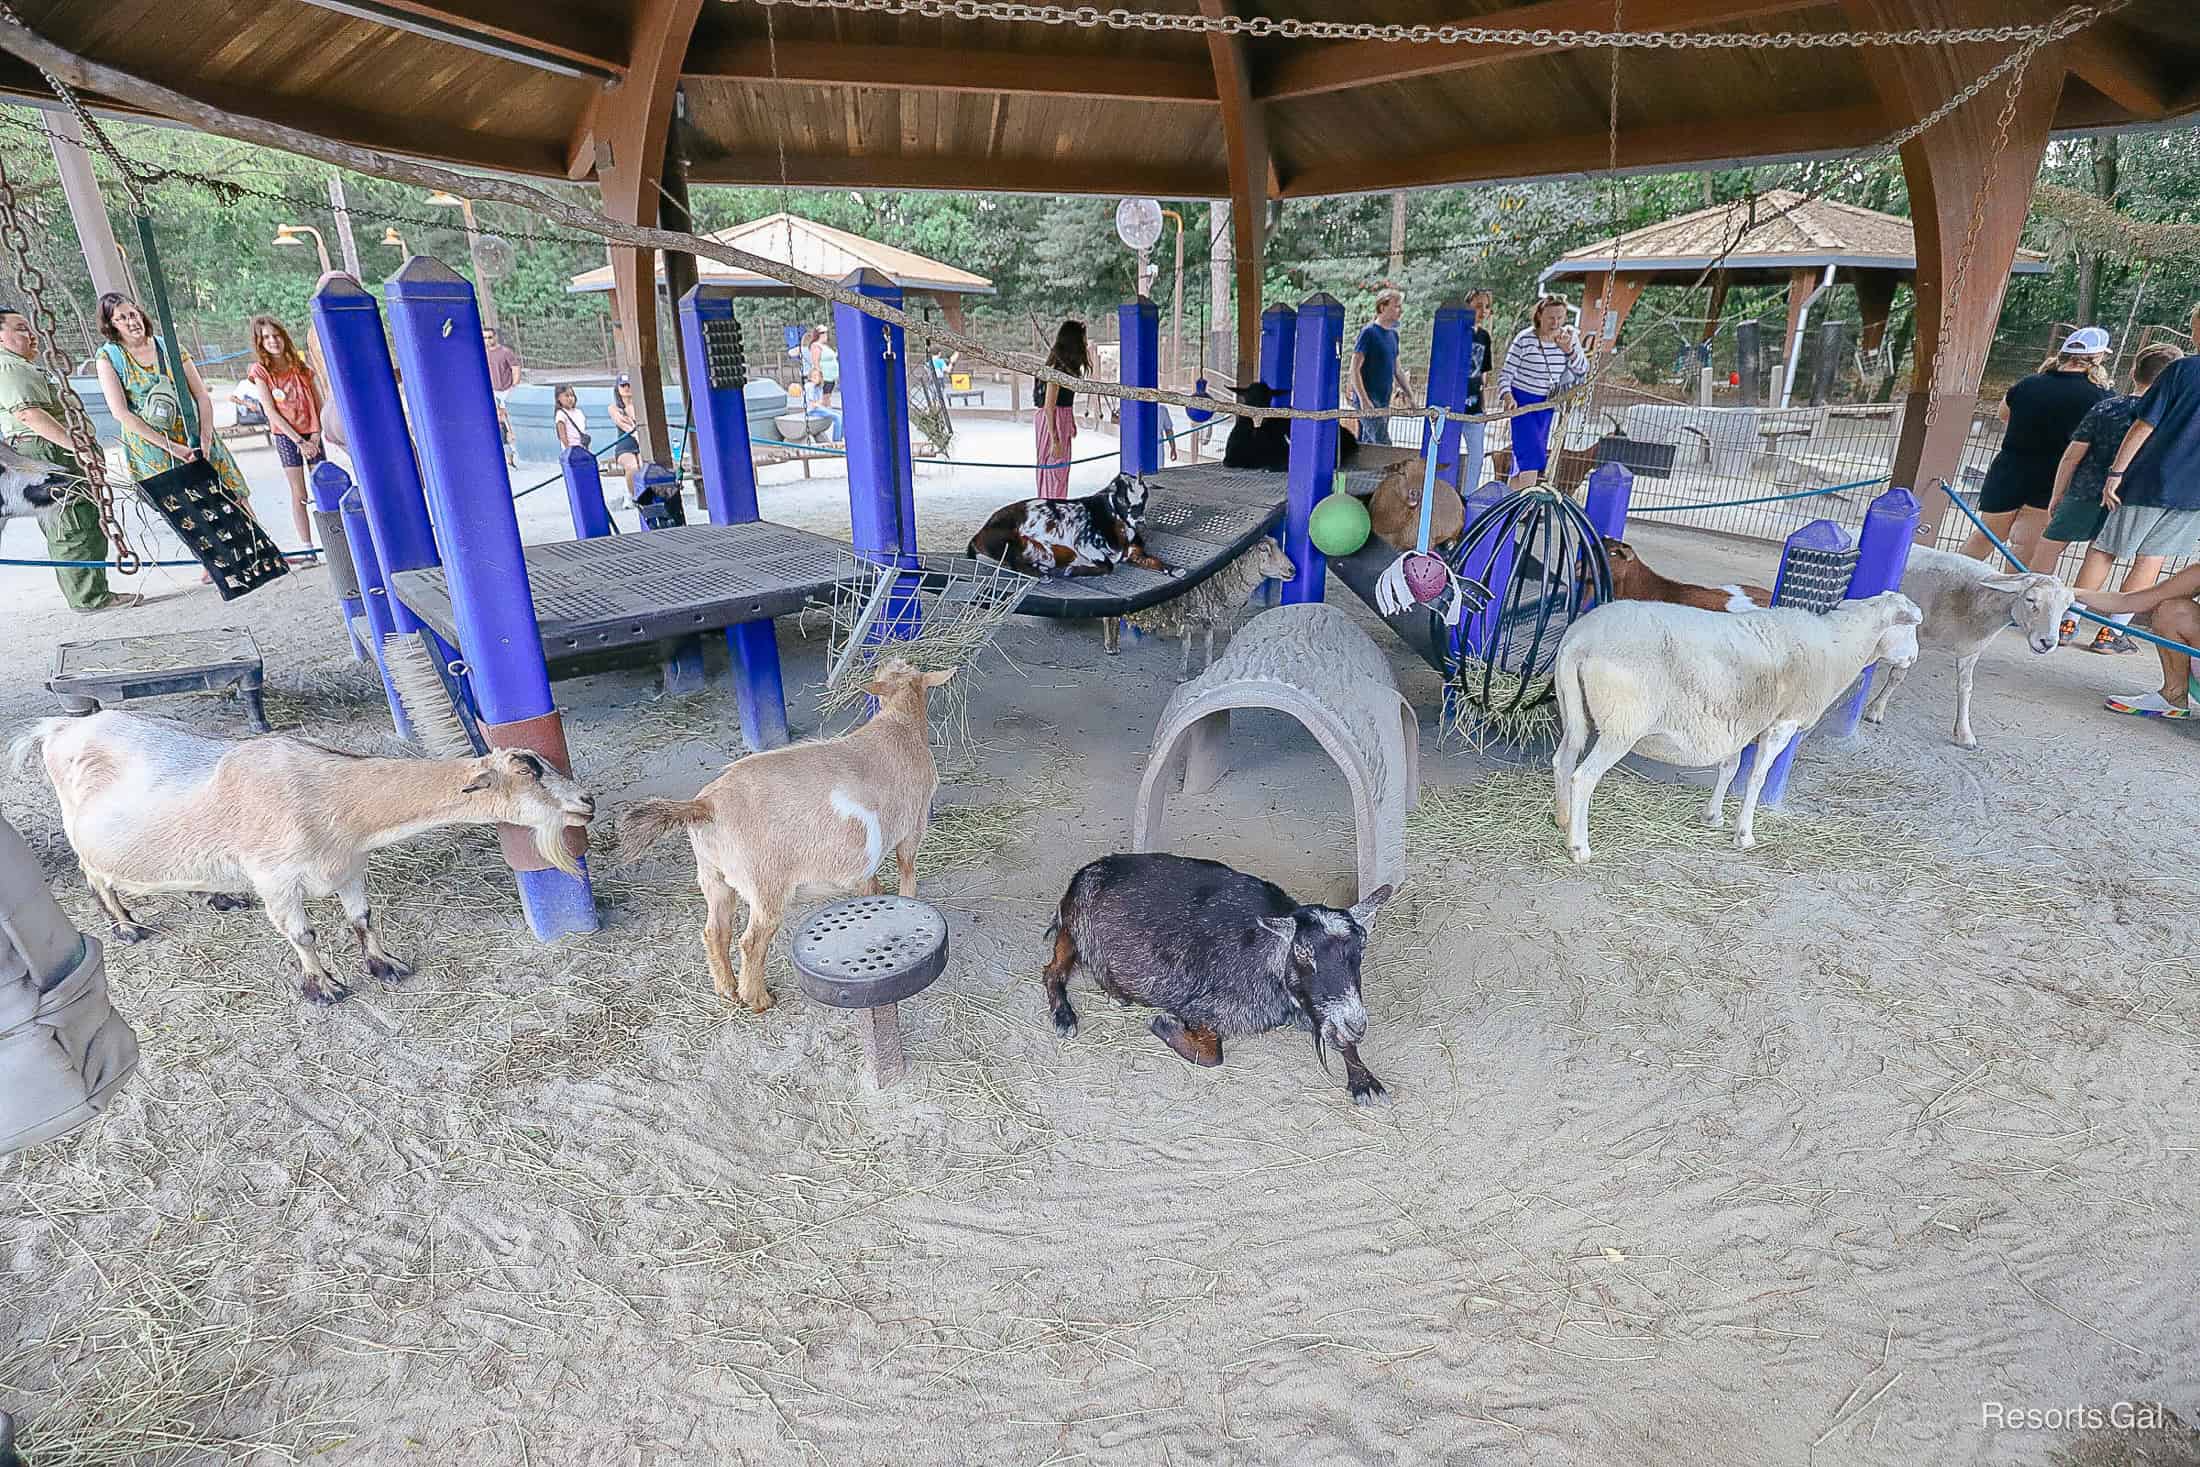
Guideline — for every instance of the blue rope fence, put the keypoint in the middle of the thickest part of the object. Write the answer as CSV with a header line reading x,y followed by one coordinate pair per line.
x,y
1760,499
2011,556
309,553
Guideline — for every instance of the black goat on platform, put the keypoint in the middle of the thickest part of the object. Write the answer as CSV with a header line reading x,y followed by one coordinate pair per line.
x,y
1267,443
1220,953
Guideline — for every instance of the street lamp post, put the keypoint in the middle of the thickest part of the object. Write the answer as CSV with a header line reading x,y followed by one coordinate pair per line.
x,y
288,234
473,252
1176,305
396,241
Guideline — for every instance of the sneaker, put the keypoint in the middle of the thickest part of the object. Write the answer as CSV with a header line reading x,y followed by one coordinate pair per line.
x,y
116,601
2068,632
2146,705
2114,639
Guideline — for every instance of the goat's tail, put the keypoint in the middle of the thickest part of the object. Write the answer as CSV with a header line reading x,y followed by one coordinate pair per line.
x,y
1573,700
645,822
24,750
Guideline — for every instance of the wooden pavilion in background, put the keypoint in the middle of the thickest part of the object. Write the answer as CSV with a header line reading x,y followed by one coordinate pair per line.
x,y
1778,238
644,96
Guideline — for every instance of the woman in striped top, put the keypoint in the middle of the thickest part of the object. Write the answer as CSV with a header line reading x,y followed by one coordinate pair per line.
x,y
1544,359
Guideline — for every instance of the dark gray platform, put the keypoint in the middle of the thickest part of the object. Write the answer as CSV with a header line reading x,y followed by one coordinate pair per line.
x,y
88,676
1200,518
628,590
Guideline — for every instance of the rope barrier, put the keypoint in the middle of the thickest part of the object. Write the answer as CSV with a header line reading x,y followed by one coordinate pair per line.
x,y
2011,556
972,463
1761,499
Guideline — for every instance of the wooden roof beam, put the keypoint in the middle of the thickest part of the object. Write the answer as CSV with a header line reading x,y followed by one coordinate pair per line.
x,y
971,173
2110,59
1716,140
945,69
1251,182
547,37
1307,70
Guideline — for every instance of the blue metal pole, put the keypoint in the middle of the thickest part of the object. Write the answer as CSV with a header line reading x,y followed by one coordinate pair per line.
x,y
874,386
1450,359
437,326
1819,535
333,492
584,493
1279,327
1611,487
717,374
1882,556
364,384
1314,385
1138,325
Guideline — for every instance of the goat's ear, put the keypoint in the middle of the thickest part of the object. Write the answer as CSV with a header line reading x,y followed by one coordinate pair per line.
x,y
1286,928
481,781
532,762
1618,549
1364,908
2007,581
940,678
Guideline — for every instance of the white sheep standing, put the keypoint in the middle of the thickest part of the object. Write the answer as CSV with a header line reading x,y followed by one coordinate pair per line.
x,y
153,807
1967,603
1696,688
1216,601
815,816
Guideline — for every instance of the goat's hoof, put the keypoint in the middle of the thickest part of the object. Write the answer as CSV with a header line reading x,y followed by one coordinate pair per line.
x,y
1371,1094
1578,854
1065,1022
323,991
131,932
388,969
1716,822
761,1000
222,901
1745,840
1969,746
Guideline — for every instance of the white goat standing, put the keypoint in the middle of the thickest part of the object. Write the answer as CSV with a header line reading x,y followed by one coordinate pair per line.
x,y
152,807
1967,603
1216,601
1696,688
814,816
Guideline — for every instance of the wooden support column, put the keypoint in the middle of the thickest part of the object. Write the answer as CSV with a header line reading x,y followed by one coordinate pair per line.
x,y
1604,293
94,231
1245,140
681,272
1800,285
951,310
627,133
1946,168
1874,303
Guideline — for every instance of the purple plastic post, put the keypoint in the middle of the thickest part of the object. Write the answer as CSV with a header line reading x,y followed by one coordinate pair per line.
x,y
1314,385
1279,327
719,412
437,327
365,388
874,386
584,493
1611,486
1138,323
658,488
333,492
1817,535
1491,564
1882,556
1450,360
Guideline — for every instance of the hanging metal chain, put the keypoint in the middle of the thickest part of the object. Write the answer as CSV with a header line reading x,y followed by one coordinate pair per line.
x,y
1952,298
1261,26
90,458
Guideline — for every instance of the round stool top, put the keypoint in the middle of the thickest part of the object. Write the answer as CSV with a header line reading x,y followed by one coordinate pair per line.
x,y
869,951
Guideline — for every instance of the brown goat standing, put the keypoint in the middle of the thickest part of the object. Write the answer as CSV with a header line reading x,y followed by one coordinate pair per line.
x,y
1634,581
1394,510
815,816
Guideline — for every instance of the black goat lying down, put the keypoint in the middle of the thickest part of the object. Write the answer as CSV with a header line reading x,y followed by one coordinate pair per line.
x,y
1220,953
1267,444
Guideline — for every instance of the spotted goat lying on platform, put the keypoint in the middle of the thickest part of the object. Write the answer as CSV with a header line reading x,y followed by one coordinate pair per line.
x,y
1634,581
1215,601
153,807
1071,537
815,816
1220,953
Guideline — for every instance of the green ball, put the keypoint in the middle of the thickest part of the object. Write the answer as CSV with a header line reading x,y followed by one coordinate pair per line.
x,y
1338,525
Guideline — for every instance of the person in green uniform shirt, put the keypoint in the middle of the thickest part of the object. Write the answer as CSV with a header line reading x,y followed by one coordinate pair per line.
x,y
33,422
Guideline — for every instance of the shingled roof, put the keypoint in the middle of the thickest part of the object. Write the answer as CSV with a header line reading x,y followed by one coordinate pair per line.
x,y
818,248
1779,230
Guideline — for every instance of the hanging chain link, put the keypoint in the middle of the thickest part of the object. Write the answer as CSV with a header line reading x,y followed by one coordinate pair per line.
x,y
91,459
1541,38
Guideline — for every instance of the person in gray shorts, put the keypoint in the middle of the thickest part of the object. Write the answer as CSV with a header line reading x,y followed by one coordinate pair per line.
x,y
2152,490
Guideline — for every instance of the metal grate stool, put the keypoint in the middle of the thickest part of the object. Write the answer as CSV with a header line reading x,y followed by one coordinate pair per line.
x,y
90,675
868,954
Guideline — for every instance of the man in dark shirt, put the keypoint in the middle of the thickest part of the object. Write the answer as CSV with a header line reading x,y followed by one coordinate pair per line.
x,y
1375,372
1484,306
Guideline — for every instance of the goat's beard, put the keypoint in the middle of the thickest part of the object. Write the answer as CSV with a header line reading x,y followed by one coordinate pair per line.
x,y
550,845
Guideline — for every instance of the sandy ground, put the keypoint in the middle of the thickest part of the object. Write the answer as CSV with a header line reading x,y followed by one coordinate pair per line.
x,y
1819,1153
